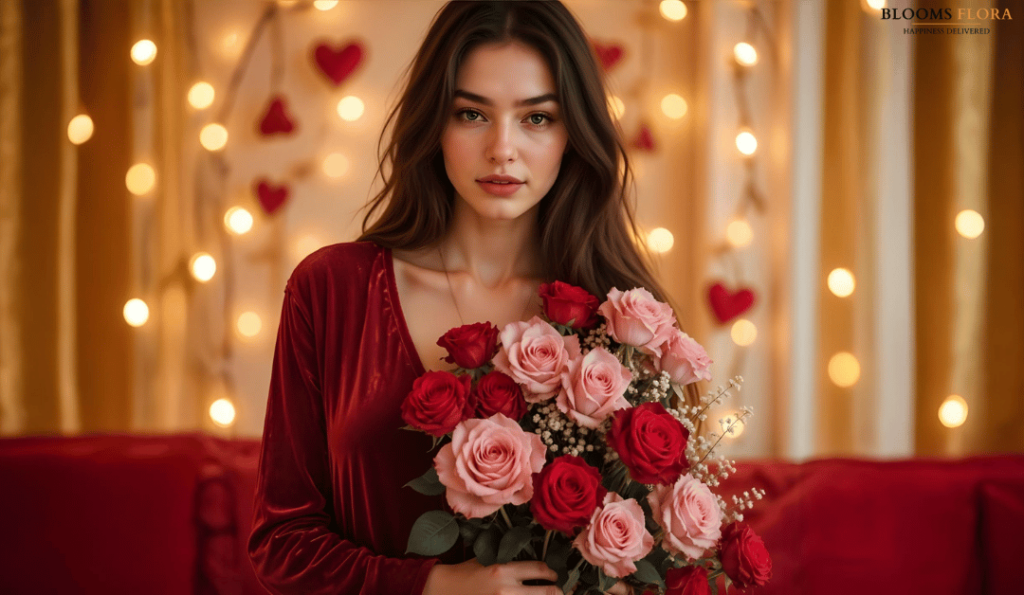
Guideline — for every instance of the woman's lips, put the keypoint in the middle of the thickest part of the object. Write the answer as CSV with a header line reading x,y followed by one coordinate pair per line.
x,y
500,189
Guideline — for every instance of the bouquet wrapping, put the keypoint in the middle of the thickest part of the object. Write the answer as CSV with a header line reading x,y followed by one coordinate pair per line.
x,y
568,439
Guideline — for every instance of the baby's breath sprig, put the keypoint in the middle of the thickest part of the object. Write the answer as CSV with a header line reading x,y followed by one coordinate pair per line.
x,y
597,337
741,503
560,434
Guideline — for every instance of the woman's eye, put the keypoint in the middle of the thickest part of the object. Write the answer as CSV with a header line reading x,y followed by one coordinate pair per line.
x,y
469,115
539,119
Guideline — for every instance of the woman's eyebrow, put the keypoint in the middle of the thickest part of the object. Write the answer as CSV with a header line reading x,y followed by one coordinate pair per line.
x,y
485,101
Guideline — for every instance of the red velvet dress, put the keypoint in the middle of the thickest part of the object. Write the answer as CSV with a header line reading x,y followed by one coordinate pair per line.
x,y
331,515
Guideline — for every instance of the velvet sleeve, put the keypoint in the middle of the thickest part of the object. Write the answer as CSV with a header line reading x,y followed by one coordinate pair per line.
x,y
294,546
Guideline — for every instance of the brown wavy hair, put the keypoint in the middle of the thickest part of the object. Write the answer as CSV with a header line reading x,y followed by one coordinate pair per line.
x,y
586,221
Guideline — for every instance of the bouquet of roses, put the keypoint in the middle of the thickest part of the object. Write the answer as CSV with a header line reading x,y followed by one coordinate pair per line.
x,y
568,439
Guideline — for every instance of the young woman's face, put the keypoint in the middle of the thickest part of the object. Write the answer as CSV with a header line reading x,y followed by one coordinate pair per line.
x,y
505,123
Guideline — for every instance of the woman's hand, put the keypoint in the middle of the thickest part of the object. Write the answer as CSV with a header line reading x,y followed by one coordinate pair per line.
x,y
472,578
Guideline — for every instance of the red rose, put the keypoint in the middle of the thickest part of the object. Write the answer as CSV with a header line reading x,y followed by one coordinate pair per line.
x,y
564,302
437,402
650,442
566,493
470,345
496,392
744,558
688,580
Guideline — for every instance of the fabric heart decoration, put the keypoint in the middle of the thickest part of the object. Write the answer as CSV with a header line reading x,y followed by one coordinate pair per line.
x,y
270,197
275,120
729,304
644,139
608,55
337,64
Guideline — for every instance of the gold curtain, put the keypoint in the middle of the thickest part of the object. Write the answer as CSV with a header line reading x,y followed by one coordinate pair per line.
x,y
65,362
970,324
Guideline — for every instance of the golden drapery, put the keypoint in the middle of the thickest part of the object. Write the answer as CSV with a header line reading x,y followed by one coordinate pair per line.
x,y
970,293
64,346
70,253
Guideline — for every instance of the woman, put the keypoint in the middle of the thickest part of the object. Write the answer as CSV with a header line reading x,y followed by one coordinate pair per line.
x,y
506,170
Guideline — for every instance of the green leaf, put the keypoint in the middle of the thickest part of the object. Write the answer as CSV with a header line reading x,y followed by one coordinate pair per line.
x,y
512,543
605,582
570,582
427,484
433,534
647,572
470,530
486,546
558,552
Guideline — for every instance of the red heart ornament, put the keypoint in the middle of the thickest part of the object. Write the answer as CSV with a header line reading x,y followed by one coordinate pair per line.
x,y
337,64
270,197
729,304
275,120
644,139
608,55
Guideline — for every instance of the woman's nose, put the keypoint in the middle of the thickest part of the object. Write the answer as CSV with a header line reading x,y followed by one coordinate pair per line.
x,y
501,145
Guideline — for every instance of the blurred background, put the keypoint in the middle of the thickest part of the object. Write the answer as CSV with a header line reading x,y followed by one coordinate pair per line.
x,y
834,192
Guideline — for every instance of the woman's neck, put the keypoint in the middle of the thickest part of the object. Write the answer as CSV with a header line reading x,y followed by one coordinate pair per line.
x,y
492,252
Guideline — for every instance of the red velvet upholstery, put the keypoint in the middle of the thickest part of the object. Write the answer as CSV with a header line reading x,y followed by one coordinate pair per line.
x,y
171,514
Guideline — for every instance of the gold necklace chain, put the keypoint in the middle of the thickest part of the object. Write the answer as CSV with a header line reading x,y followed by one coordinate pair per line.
x,y
451,291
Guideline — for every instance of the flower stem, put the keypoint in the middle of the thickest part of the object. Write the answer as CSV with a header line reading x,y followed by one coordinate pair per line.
x,y
505,516
544,550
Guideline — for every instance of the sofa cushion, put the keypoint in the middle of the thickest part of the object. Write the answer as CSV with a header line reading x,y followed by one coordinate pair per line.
x,y
110,514
1002,535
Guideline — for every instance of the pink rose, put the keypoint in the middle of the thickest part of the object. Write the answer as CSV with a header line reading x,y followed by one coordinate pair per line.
x,y
595,386
488,463
684,359
535,355
616,537
689,514
636,318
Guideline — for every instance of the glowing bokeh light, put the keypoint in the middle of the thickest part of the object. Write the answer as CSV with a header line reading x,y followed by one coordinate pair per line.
x,y
745,54
351,108
238,220
222,412
674,106
80,129
616,106
136,312
213,137
673,10
143,52
953,411
140,178
844,369
335,165
249,324
201,95
841,282
731,419
202,266
739,233
969,224
746,142
743,332
660,240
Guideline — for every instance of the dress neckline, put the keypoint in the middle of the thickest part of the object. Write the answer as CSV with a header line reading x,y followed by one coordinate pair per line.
x,y
400,322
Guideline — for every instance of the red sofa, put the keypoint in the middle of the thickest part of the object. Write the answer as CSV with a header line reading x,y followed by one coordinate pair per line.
x,y
171,514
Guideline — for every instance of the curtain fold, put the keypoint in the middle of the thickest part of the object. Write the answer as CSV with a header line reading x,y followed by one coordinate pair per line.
x,y
12,408
970,324
63,343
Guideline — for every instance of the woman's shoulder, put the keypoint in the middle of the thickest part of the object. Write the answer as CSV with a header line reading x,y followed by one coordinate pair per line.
x,y
344,262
